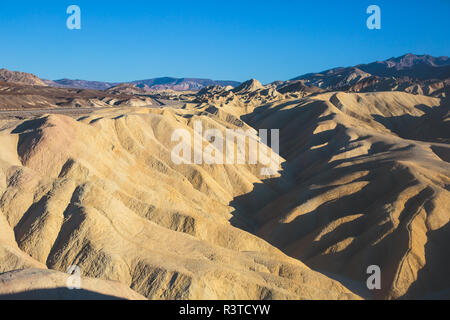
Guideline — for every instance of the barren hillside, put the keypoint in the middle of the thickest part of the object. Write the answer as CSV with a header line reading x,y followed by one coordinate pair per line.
x,y
364,180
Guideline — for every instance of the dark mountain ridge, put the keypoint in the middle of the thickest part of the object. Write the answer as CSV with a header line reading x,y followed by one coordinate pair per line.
x,y
163,83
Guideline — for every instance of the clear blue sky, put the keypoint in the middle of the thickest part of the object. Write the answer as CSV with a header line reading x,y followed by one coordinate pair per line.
x,y
226,40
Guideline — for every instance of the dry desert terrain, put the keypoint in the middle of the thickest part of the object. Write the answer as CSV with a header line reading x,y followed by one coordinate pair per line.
x,y
364,179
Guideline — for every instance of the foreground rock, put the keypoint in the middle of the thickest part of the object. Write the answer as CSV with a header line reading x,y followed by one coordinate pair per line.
x,y
38,284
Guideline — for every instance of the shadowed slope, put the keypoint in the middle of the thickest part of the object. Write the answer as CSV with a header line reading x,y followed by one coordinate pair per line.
x,y
364,195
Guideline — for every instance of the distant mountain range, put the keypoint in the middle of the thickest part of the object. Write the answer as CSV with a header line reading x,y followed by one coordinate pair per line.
x,y
394,73
20,77
164,83
80,84
183,84
418,67
421,74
